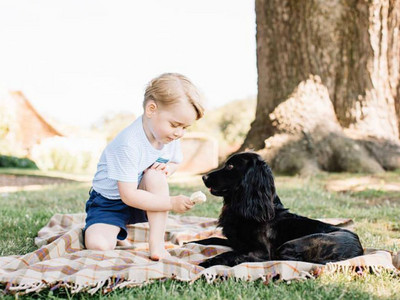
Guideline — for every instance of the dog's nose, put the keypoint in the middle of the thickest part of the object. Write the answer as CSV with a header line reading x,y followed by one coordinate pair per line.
x,y
205,177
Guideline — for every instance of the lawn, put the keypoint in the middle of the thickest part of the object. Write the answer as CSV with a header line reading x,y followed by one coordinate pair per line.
x,y
376,215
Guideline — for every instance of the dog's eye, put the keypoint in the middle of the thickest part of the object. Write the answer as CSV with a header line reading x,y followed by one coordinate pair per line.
x,y
229,167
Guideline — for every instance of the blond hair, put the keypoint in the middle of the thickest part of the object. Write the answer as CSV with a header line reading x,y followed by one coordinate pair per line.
x,y
170,88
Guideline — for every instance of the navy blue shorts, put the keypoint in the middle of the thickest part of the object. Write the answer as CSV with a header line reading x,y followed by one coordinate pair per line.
x,y
114,212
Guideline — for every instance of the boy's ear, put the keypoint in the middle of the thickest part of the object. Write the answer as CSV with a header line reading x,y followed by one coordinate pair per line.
x,y
150,108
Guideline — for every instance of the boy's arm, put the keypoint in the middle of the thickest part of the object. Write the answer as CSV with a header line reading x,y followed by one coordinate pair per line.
x,y
147,201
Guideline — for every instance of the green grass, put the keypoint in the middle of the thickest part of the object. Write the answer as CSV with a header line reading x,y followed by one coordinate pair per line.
x,y
376,215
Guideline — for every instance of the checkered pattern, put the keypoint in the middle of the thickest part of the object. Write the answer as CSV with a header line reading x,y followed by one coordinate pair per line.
x,y
61,259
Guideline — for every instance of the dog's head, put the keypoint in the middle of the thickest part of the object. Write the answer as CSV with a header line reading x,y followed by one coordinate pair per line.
x,y
247,185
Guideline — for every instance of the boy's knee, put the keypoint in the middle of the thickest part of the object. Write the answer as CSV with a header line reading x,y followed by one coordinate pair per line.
x,y
153,178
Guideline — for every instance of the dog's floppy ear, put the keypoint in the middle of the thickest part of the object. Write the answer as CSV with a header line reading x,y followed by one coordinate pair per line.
x,y
255,195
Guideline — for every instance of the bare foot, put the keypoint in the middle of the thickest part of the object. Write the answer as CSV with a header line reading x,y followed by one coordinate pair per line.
x,y
158,254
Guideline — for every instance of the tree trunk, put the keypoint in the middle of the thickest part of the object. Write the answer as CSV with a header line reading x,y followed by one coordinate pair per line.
x,y
328,80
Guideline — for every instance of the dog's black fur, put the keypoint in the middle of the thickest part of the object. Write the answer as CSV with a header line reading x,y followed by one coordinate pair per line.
x,y
259,228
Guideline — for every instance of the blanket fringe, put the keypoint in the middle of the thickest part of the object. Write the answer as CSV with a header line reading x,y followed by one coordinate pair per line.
x,y
76,288
210,275
331,268
116,282
26,288
119,283
36,288
98,286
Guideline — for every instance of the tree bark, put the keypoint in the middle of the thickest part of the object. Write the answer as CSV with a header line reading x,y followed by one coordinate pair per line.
x,y
350,51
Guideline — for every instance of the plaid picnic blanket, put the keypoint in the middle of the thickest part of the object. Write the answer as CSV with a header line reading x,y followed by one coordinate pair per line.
x,y
62,260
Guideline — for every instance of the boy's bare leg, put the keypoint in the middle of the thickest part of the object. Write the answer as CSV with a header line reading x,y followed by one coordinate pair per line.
x,y
101,236
156,182
157,224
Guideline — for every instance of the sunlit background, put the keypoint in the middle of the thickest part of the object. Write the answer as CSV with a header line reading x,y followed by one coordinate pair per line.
x,y
81,68
77,61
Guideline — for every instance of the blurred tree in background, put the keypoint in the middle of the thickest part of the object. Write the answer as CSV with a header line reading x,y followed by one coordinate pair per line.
x,y
229,124
111,124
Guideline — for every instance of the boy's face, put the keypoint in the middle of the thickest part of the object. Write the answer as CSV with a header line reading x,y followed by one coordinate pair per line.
x,y
168,123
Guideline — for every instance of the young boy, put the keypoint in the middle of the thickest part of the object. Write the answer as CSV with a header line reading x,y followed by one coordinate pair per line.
x,y
130,184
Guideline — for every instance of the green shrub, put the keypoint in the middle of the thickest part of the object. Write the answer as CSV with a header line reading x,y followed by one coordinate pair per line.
x,y
113,123
7,161
229,124
68,154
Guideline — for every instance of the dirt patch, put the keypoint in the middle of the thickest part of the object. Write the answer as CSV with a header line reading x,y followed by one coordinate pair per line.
x,y
361,184
23,180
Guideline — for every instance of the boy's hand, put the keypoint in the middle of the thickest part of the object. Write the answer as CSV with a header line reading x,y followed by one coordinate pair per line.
x,y
181,203
160,167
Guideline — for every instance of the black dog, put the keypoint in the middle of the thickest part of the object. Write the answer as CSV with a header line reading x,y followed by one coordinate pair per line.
x,y
259,228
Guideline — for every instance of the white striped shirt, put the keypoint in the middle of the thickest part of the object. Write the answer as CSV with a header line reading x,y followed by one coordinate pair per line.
x,y
127,156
